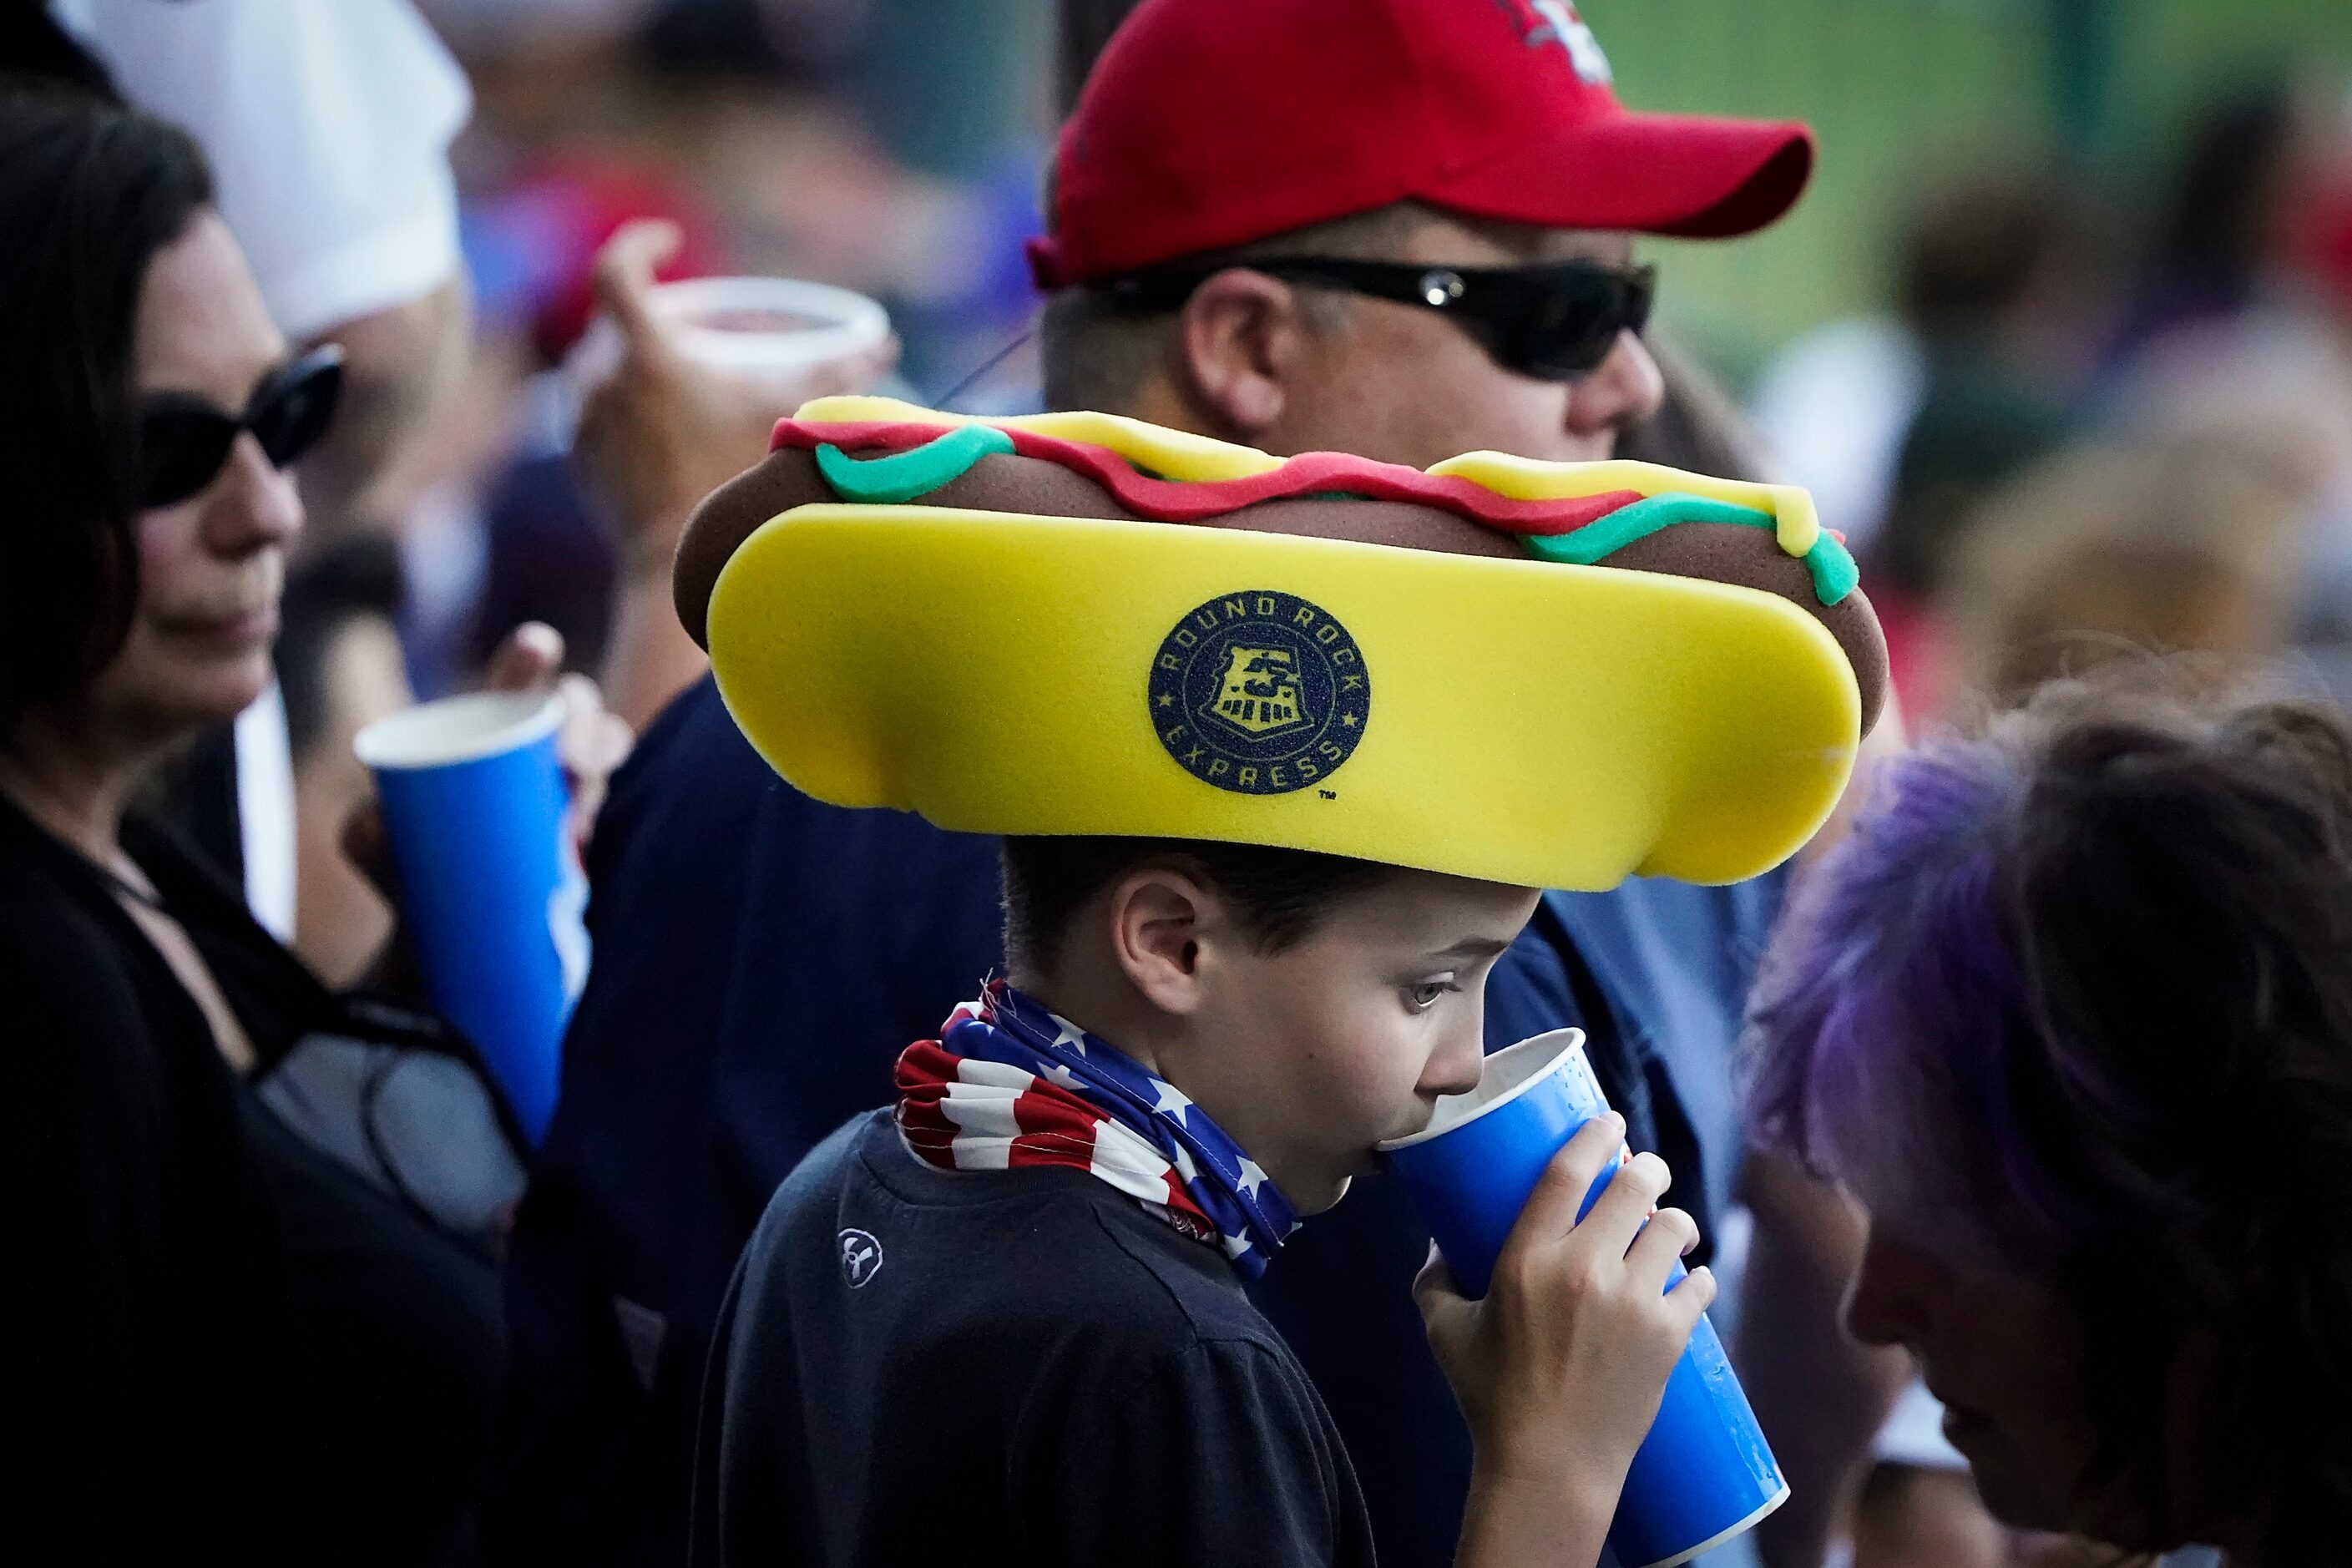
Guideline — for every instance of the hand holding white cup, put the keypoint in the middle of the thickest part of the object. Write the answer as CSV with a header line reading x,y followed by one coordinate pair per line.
x,y
683,381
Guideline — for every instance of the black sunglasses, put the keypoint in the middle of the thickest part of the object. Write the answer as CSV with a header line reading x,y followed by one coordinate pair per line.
x,y
184,440
1553,320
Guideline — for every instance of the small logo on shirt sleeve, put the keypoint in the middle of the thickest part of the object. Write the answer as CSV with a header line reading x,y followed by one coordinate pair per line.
x,y
861,1257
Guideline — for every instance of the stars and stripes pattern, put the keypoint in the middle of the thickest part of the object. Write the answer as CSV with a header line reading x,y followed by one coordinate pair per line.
x,y
1010,1084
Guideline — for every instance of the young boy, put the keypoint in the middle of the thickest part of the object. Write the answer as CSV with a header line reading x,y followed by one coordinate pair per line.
x,y
1005,1317
992,1324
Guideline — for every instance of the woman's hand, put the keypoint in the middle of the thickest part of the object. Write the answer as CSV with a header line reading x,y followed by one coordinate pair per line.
x,y
1560,1368
662,430
593,743
656,435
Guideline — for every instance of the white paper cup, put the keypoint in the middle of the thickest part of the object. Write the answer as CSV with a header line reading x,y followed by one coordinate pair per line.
x,y
767,330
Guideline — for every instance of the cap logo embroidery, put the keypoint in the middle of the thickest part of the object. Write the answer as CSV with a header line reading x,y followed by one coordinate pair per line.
x,y
1259,692
1556,22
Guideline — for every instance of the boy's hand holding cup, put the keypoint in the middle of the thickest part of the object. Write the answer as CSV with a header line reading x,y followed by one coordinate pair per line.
x,y
1580,1350
1559,1369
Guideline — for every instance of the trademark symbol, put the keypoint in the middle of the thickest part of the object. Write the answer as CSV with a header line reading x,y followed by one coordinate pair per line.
x,y
1328,793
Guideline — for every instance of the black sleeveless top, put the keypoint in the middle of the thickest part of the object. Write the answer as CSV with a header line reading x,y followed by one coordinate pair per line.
x,y
221,1342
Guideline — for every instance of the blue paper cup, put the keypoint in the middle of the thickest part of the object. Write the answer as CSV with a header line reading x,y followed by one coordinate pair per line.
x,y
1704,1474
491,890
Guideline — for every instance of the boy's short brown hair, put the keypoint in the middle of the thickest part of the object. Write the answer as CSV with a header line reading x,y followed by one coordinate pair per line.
x,y
1279,894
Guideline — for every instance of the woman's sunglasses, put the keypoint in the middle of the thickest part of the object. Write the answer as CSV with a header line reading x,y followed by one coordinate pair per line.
x,y
1553,320
184,440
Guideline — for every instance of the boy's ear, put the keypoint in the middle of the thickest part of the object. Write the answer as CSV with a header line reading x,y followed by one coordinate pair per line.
x,y
1157,917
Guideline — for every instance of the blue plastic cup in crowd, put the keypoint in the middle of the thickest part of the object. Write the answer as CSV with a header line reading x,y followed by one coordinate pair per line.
x,y
491,890
1704,1474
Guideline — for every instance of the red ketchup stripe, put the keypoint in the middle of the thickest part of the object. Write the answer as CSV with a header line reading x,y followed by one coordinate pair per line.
x,y
1173,501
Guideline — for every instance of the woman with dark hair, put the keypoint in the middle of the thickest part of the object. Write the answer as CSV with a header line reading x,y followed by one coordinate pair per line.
x,y
2070,1012
230,1336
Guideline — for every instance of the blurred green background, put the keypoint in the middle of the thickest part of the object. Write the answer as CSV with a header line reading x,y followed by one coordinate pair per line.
x,y
1901,90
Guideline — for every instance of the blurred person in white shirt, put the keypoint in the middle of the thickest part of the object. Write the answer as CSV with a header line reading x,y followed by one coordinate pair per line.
x,y
329,127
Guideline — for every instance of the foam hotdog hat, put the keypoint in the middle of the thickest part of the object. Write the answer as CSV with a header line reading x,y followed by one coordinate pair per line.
x,y
1545,674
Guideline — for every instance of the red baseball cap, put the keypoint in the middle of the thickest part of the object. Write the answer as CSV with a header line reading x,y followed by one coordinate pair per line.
x,y
1214,123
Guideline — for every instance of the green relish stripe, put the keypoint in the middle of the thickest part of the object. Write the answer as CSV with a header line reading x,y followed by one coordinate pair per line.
x,y
1833,572
917,471
905,476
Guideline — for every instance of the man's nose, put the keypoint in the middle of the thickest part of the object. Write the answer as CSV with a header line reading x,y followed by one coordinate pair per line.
x,y
1623,389
253,504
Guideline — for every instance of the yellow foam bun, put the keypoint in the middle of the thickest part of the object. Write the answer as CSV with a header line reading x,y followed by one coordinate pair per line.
x,y
1518,721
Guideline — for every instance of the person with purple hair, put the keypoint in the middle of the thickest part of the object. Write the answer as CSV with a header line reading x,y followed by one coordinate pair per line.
x,y
2070,1013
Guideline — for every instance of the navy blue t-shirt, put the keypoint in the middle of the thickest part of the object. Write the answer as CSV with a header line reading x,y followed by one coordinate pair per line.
x,y
761,960
920,1365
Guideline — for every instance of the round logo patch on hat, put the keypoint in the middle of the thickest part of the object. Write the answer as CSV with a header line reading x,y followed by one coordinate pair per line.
x,y
1260,692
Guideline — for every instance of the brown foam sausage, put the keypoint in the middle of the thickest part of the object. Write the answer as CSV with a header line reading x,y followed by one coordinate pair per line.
x,y
1721,552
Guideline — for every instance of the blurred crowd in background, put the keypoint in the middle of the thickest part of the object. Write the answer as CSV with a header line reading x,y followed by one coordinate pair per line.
x,y
890,146
2068,415
2088,424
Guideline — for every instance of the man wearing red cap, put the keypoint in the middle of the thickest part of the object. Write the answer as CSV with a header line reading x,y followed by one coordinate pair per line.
x,y
1396,227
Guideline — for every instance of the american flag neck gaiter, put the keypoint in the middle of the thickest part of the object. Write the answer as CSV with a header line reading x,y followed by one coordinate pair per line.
x,y
1009,1084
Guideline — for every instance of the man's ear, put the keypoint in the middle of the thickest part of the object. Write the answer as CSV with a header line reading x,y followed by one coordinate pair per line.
x,y
1157,917
1240,342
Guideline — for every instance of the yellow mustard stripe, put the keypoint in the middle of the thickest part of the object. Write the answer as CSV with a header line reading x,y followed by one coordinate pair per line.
x,y
1171,454
1198,460
1523,478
